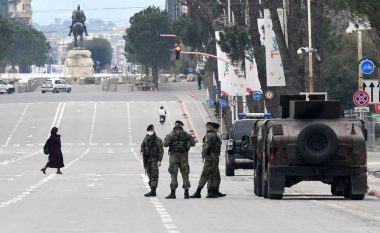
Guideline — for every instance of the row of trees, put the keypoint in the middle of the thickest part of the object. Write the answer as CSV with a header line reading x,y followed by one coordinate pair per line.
x,y
21,46
335,71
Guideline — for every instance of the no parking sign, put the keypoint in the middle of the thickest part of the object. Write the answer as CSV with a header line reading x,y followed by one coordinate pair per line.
x,y
361,98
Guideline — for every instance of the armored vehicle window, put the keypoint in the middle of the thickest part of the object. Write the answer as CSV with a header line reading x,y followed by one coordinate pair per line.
x,y
242,128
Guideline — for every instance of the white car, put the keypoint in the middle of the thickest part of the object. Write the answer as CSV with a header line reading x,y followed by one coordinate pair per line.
x,y
6,87
55,86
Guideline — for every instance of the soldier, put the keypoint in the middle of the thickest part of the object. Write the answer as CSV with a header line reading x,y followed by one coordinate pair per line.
x,y
179,143
210,155
78,16
152,152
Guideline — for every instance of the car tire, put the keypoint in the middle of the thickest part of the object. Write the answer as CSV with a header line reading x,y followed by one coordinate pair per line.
x,y
43,92
258,189
9,91
55,90
68,90
230,170
317,143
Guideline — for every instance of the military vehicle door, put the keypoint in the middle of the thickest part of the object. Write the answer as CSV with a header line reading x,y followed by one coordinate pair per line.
x,y
241,136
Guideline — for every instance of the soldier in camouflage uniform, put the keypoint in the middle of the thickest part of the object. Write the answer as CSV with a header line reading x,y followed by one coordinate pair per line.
x,y
210,154
179,143
152,151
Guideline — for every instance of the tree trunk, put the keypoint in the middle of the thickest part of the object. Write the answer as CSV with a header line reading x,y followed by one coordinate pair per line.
x,y
155,76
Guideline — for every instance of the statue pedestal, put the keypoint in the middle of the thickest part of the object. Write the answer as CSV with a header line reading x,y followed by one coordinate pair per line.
x,y
79,65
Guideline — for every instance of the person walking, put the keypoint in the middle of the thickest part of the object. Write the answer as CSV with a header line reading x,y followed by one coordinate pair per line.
x,y
179,143
199,81
210,155
53,147
152,152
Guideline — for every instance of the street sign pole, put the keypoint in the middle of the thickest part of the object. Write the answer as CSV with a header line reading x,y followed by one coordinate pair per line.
x,y
221,117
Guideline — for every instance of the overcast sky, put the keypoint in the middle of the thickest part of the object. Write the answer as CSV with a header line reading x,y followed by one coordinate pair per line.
x,y
118,11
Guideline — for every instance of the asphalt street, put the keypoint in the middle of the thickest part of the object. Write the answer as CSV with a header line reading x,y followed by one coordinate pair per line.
x,y
103,184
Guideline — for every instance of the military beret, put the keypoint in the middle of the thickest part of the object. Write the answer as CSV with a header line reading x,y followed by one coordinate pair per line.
x,y
213,124
179,122
150,127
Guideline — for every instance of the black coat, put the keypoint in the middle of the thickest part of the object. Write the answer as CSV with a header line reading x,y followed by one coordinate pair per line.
x,y
55,156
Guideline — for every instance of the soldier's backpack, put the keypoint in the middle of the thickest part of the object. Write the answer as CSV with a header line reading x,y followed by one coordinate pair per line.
x,y
181,142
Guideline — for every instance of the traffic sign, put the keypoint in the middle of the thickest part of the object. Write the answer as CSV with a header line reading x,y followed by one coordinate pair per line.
x,y
367,66
233,102
269,95
190,69
371,86
361,98
361,109
223,103
257,95
211,102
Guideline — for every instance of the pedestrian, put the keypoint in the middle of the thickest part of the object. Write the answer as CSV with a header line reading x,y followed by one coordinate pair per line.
x,y
152,152
53,147
179,143
199,81
210,155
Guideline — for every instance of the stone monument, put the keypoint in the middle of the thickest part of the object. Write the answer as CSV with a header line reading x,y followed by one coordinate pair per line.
x,y
79,65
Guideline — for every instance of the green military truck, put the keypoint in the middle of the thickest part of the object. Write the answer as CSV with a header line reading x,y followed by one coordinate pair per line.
x,y
311,142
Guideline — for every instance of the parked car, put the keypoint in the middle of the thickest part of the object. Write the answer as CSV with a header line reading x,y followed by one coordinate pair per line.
x,y
5,87
55,86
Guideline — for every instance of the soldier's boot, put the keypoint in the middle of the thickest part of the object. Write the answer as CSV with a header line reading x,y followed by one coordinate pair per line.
x,y
197,193
171,195
152,193
186,194
211,193
219,194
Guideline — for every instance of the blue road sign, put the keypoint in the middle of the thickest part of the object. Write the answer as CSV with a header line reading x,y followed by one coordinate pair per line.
x,y
211,102
367,66
190,69
257,95
223,103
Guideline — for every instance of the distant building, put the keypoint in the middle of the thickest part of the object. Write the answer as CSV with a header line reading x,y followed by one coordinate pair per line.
x,y
175,9
4,8
20,10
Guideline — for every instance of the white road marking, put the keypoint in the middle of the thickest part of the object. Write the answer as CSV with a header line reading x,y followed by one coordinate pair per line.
x,y
55,116
92,129
166,218
60,115
373,163
17,125
9,161
129,122
32,188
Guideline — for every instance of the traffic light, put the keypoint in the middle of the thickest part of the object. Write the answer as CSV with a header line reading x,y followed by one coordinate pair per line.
x,y
177,49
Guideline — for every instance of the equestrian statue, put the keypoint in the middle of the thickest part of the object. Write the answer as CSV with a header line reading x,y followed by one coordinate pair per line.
x,y
78,26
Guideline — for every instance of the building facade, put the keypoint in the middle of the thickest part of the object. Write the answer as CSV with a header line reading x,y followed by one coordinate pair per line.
x,y
4,8
175,9
20,10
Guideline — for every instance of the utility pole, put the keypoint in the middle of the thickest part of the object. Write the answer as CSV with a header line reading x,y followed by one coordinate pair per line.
x,y
360,57
311,81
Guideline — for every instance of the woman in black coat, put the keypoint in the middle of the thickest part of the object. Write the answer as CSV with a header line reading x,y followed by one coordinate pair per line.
x,y
55,153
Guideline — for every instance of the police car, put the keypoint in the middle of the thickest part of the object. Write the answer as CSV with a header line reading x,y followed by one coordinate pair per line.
x,y
5,87
239,148
55,86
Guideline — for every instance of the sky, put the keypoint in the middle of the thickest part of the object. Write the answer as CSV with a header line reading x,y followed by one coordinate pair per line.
x,y
117,11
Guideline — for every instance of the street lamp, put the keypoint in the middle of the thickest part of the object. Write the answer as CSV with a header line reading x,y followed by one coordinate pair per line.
x,y
359,26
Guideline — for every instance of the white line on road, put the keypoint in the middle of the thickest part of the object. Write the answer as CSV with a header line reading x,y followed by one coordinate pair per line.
x,y
60,115
373,163
92,129
166,218
129,122
17,125
32,188
9,161
55,116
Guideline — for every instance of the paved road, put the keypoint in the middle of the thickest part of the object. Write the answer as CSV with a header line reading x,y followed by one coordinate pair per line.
x,y
103,184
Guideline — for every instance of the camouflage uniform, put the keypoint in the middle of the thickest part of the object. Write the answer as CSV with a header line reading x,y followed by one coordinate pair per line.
x,y
152,146
179,143
210,154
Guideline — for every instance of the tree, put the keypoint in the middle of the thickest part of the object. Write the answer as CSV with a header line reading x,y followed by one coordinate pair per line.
x,y
101,51
5,40
28,47
142,43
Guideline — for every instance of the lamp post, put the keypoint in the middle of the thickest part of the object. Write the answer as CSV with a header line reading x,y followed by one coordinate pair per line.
x,y
311,81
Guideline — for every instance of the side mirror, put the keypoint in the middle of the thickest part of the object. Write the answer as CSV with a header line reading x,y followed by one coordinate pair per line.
x,y
365,134
225,136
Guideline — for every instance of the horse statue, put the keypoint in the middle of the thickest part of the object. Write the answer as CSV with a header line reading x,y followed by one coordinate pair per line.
x,y
78,30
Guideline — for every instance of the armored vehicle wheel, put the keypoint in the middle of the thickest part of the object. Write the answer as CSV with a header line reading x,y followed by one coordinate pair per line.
x,y
317,143
275,196
257,182
336,191
357,196
230,170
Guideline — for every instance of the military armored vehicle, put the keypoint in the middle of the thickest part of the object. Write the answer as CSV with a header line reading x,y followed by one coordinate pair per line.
x,y
311,142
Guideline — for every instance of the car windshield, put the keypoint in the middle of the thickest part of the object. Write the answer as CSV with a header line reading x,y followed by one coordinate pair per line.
x,y
242,128
2,82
